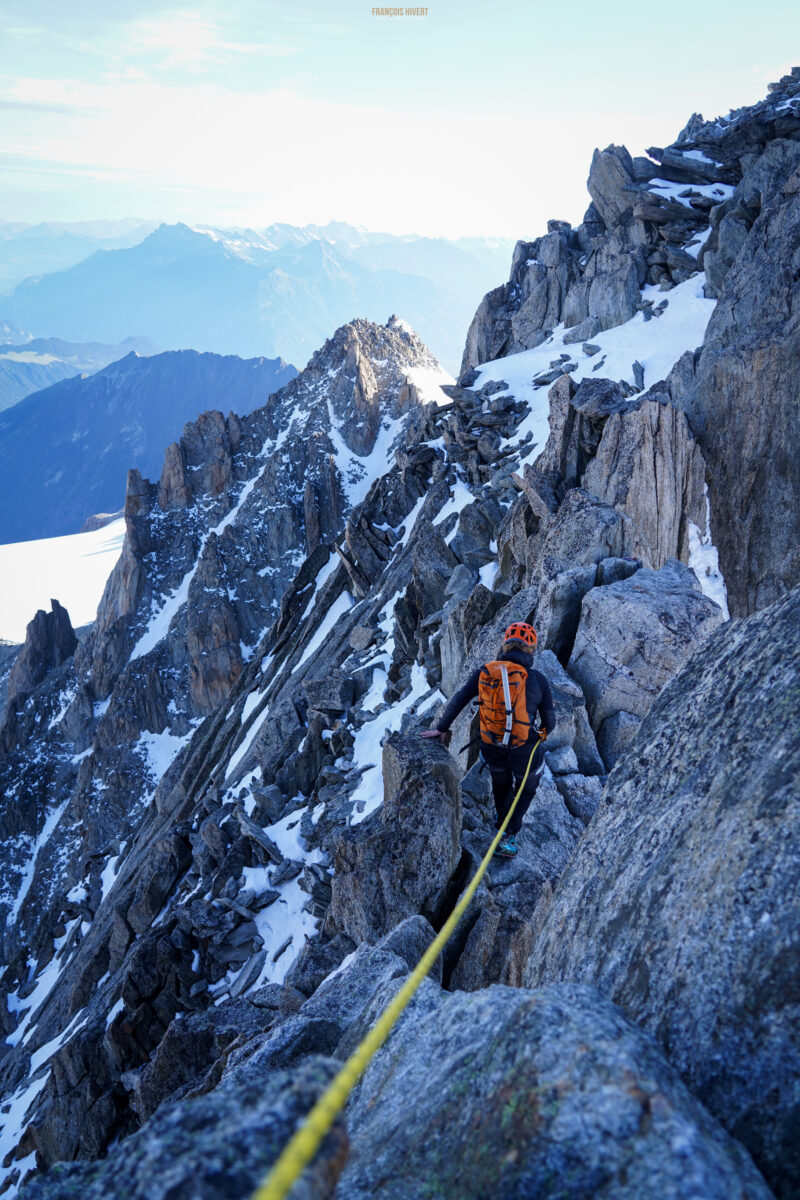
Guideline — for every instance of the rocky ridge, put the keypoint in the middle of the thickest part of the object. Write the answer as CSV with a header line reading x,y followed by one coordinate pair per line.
x,y
721,199
297,855
208,554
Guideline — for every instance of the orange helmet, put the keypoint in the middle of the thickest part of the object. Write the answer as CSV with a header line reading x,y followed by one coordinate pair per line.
x,y
520,631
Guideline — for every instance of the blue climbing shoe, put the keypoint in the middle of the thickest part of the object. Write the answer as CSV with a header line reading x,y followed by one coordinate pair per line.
x,y
507,847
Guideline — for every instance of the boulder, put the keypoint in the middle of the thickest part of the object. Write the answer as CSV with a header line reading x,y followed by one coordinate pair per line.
x,y
610,177
193,1043
583,532
565,1098
681,901
581,794
573,731
344,996
632,638
332,692
577,417
410,939
317,960
465,618
214,1146
614,277
398,862
488,332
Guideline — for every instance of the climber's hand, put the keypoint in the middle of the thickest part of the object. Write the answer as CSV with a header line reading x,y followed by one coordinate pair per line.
x,y
433,733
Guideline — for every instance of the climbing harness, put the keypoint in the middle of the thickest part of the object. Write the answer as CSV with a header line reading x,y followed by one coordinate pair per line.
x,y
304,1144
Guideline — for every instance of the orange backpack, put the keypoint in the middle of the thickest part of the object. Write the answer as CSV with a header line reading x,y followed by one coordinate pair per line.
x,y
503,705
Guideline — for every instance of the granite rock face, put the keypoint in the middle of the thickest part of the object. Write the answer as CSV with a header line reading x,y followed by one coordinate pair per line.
x,y
398,863
742,394
681,902
214,1147
563,1097
633,636
721,199
49,641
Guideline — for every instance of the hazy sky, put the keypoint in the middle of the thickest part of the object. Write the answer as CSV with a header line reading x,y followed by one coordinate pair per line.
x,y
479,118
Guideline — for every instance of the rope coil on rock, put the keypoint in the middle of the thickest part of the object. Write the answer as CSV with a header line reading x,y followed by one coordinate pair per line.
x,y
304,1144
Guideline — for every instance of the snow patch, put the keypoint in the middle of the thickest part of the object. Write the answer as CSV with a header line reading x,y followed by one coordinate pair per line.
x,y
672,191
162,618
459,500
358,472
704,561
113,1012
699,156
11,1131
108,875
53,817
408,523
158,751
368,752
73,569
323,576
657,344
340,606
429,381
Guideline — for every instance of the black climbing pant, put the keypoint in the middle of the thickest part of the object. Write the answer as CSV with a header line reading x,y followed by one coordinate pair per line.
x,y
507,767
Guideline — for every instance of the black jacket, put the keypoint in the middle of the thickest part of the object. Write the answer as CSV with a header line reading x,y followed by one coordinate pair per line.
x,y
537,694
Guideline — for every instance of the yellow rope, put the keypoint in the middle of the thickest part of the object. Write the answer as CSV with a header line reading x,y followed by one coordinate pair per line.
x,y
303,1146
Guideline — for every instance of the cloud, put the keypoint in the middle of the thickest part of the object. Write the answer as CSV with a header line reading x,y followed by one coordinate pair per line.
x,y
185,39
37,106
253,156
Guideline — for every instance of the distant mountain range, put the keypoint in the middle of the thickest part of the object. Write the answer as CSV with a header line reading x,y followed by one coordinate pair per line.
x,y
55,245
277,291
35,363
65,451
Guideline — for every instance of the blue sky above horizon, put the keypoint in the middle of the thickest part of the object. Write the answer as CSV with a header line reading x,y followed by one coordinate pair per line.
x,y
477,119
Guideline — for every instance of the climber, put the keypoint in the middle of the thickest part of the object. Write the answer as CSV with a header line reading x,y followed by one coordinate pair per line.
x,y
510,693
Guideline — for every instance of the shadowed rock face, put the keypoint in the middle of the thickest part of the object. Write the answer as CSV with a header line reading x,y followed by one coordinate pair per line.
x,y
208,554
742,407
681,902
49,641
508,1092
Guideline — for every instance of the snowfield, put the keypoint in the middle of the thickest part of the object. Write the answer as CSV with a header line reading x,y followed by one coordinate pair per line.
x,y
72,570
